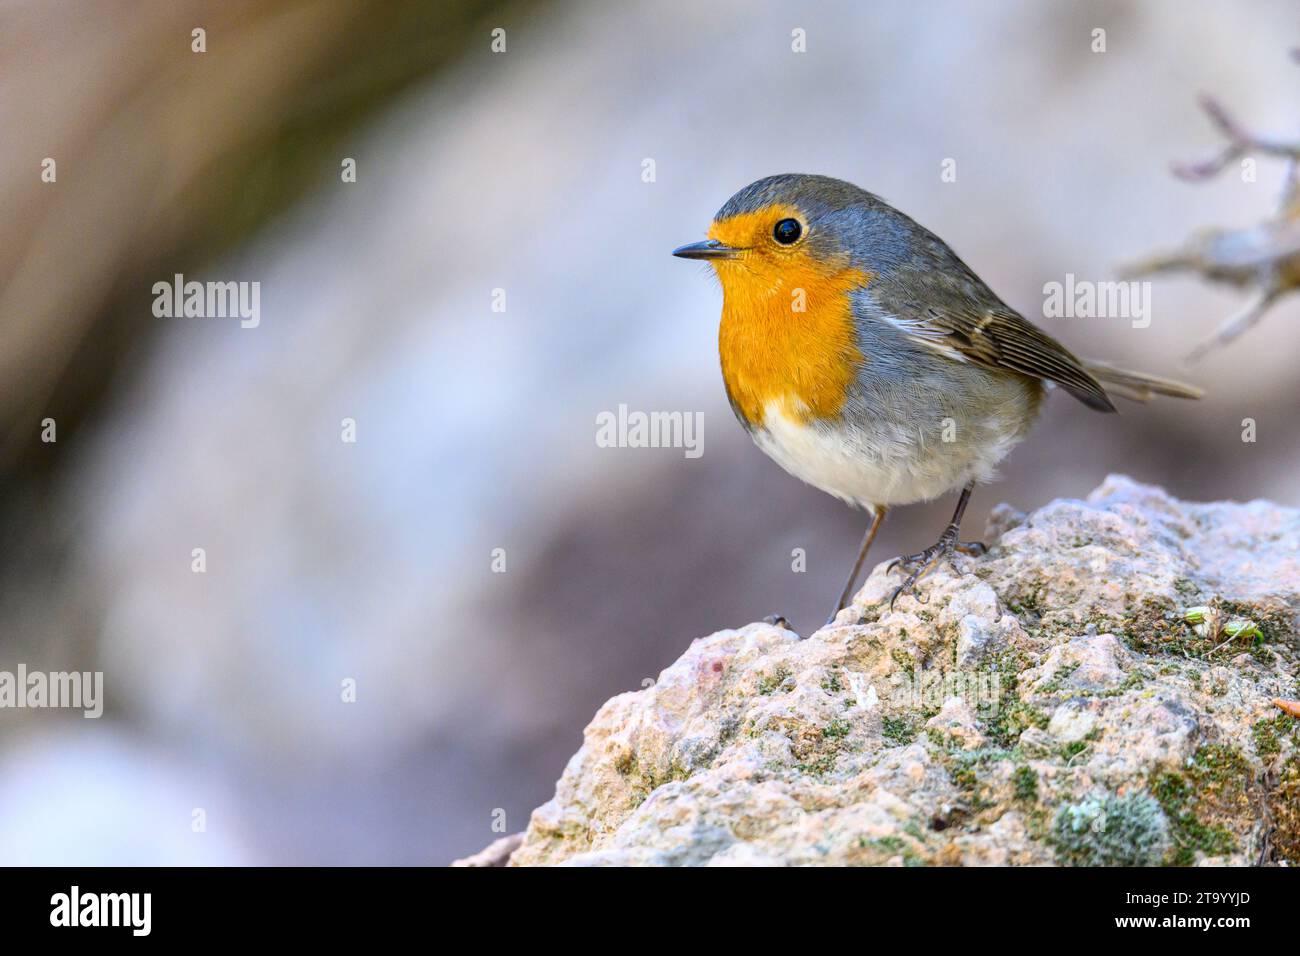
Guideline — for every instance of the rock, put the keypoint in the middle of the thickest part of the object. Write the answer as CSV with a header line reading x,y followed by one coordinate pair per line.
x,y
1053,705
1071,722
495,854
957,721
1082,663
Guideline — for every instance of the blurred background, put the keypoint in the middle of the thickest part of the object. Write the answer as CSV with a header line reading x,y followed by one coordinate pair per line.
x,y
522,170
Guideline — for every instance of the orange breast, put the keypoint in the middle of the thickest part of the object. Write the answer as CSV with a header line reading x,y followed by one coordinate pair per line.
x,y
804,361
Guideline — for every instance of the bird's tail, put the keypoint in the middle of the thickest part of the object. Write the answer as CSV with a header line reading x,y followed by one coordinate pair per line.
x,y
1138,386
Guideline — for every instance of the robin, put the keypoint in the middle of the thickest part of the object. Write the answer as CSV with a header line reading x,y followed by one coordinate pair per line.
x,y
868,360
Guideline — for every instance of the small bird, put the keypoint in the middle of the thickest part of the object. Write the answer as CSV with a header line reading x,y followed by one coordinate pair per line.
x,y
868,360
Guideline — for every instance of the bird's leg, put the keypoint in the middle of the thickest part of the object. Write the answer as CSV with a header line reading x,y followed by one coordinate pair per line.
x,y
877,518
943,549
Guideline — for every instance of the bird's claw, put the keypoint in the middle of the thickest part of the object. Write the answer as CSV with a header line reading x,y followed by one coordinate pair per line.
x,y
909,562
916,565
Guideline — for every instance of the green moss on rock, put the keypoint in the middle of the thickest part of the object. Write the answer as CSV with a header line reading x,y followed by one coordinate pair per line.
x,y
1129,830
1025,781
1201,803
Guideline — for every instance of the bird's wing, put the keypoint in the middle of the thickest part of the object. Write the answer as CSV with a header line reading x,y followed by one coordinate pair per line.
x,y
938,302
1002,339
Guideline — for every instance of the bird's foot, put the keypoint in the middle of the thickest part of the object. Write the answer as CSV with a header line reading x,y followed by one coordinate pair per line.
x,y
931,555
916,565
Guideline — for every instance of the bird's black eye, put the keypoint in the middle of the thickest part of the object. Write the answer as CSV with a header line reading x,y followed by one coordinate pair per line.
x,y
787,231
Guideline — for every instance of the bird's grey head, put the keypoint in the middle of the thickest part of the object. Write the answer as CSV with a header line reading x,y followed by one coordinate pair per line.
x,y
834,221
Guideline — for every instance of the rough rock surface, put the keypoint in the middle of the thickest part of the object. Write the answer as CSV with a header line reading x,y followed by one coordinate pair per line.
x,y
1060,703
496,853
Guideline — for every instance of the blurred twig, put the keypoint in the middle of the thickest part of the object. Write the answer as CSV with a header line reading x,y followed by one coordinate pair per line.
x,y
1264,258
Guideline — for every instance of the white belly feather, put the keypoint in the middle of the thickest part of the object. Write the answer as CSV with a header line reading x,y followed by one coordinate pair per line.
x,y
879,462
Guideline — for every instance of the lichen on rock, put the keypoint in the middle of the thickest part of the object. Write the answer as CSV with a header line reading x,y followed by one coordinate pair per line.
x,y
1056,704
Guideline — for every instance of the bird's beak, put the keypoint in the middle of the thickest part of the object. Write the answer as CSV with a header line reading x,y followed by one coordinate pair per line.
x,y
708,249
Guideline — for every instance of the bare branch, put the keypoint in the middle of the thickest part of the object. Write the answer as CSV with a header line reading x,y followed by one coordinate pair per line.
x,y
1240,142
1264,258
1237,323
